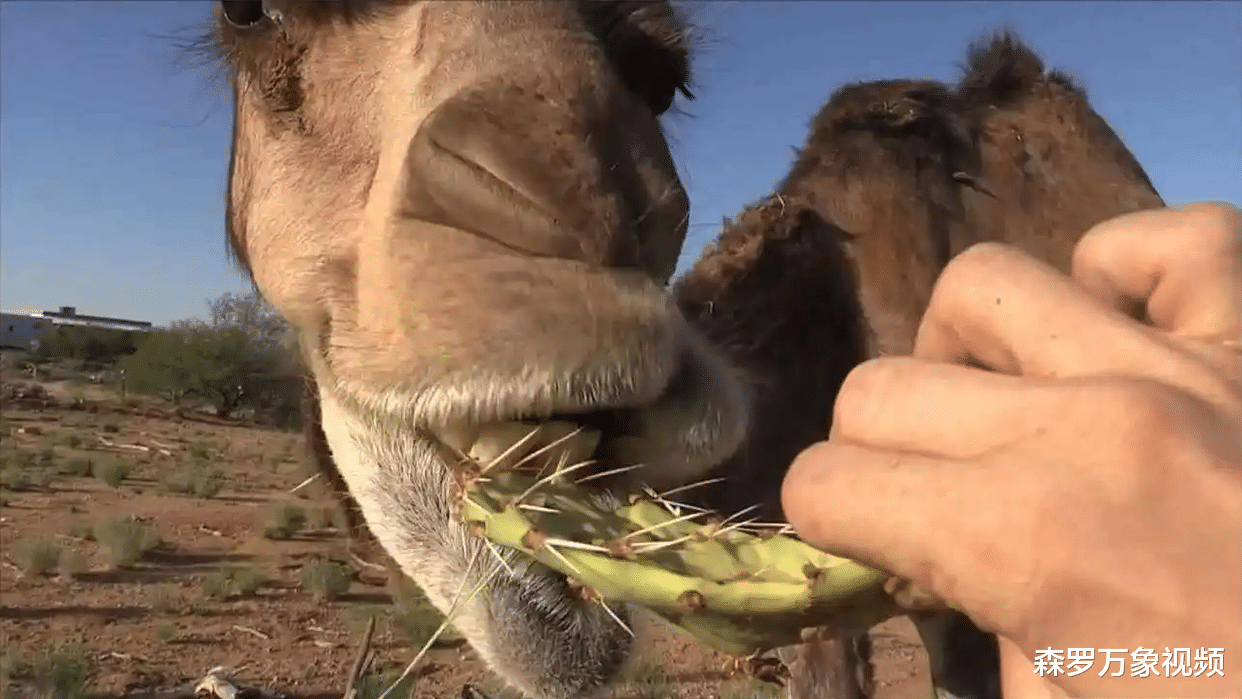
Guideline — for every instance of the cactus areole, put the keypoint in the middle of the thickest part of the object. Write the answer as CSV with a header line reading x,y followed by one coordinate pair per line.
x,y
738,587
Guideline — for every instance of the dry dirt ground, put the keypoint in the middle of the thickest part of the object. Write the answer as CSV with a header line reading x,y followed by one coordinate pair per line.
x,y
153,627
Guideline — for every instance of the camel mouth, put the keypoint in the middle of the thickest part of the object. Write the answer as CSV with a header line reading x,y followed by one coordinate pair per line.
x,y
593,446
587,448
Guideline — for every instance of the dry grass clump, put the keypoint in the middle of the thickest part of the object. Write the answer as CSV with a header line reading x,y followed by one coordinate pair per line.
x,y
63,672
113,472
125,540
326,580
197,479
283,521
242,581
36,555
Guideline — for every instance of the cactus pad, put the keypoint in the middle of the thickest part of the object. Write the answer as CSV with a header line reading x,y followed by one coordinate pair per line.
x,y
741,589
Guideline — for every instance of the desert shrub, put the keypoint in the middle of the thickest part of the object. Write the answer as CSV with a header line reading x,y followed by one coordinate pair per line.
x,y
218,585
98,346
325,579
247,580
62,673
648,679
79,529
14,478
283,521
113,472
198,450
79,467
227,582
36,555
72,562
325,517
373,684
195,479
165,632
19,458
39,477
125,540
751,689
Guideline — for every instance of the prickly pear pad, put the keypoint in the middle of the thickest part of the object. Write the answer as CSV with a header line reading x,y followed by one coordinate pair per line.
x,y
737,589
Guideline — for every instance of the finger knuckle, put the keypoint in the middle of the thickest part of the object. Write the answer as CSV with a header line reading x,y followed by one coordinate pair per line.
x,y
962,279
1219,217
1211,228
864,386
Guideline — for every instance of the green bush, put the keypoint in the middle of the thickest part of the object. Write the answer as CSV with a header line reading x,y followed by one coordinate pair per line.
x,y
113,472
195,479
125,540
227,582
283,521
373,684
63,672
325,579
79,467
36,555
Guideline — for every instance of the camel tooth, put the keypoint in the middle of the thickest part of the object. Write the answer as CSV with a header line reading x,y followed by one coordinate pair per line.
x,y
460,437
554,444
502,445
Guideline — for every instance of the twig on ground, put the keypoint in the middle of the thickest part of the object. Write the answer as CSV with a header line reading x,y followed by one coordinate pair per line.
x,y
253,632
121,656
303,484
362,562
355,671
132,447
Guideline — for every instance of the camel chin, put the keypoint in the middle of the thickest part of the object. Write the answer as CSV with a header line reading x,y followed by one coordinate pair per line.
x,y
528,622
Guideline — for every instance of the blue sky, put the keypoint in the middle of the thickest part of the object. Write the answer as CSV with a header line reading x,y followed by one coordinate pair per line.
x,y
112,152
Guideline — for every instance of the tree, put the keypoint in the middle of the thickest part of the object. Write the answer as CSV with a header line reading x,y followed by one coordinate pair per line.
x,y
166,364
240,356
90,345
252,314
272,379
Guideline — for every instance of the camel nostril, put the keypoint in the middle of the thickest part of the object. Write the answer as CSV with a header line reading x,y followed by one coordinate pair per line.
x,y
507,164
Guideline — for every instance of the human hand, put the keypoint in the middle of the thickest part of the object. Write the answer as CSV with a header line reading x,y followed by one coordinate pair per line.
x,y
1086,492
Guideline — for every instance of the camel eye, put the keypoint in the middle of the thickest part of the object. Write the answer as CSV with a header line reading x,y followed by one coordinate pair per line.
x,y
242,13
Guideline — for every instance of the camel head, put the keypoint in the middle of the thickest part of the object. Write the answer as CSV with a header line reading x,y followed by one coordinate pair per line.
x,y
468,212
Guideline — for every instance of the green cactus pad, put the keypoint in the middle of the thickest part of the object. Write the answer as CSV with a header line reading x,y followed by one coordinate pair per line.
x,y
738,590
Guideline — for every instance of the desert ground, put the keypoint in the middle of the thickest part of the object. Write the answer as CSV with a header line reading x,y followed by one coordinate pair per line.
x,y
140,548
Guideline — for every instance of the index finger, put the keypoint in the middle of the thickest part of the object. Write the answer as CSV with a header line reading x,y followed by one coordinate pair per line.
x,y
998,307
1179,269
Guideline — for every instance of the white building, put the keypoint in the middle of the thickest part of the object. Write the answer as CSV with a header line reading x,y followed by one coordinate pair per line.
x,y
22,330
19,330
